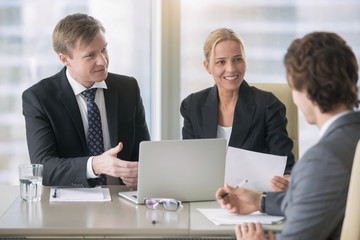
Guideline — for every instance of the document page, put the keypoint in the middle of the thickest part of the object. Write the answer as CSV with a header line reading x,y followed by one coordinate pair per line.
x,y
220,216
252,170
80,195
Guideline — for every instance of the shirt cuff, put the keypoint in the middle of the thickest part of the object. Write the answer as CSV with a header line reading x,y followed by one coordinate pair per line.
x,y
89,170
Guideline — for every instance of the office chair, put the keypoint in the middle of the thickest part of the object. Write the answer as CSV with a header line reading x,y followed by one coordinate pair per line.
x,y
283,92
350,228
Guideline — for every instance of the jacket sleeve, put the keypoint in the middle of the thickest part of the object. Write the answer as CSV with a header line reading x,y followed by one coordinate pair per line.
x,y
273,203
185,109
141,129
42,146
315,203
277,138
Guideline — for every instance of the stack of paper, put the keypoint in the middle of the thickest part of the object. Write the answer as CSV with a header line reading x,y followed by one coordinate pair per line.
x,y
80,195
220,216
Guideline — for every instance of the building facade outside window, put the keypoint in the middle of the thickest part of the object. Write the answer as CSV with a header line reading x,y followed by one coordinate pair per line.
x,y
27,56
267,28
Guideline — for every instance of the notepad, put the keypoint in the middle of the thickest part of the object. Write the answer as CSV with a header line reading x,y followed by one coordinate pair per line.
x,y
220,216
80,195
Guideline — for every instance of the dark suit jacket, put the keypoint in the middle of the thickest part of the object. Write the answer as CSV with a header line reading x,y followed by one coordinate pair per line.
x,y
314,205
55,131
259,121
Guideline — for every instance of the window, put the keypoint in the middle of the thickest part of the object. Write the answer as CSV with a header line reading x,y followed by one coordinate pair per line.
x,y
267,28
26,56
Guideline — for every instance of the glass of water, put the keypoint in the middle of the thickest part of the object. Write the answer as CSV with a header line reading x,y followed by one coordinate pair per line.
x,y
30,176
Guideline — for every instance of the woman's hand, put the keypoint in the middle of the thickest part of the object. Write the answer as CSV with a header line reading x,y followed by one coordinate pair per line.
x,y
280,183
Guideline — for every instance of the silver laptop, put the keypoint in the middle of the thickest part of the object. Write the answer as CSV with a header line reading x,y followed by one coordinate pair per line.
x,y
186,170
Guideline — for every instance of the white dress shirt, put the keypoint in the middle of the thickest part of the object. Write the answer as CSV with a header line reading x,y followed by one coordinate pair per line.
x,y
100,102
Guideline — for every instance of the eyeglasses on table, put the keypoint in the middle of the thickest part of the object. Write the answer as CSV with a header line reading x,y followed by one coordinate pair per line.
x,y
168,203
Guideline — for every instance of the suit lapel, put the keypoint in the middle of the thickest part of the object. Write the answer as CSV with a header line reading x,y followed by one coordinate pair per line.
x,y
210,114
111,103
67,97
243,116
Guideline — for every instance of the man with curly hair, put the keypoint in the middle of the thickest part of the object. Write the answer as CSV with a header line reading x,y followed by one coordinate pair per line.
x,y
322,72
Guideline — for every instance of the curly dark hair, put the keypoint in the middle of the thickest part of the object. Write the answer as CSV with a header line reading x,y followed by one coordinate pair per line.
x,y
325,66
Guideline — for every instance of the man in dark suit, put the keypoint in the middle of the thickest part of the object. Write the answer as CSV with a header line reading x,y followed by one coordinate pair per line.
x,y
322,72
60,118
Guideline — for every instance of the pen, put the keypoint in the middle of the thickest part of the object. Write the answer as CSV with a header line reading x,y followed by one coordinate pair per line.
x,y
226,193
55,193
222,195
242,183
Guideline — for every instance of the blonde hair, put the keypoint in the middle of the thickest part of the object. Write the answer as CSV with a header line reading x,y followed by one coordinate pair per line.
x,y
219,35
73,27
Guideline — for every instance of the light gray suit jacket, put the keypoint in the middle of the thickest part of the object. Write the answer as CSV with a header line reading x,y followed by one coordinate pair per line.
x,y
314,205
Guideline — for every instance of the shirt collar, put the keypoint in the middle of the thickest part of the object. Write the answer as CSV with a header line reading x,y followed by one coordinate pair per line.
x,y
78,88
327,124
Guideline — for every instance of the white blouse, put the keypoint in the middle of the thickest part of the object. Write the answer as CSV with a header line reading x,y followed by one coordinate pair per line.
x,y
224,132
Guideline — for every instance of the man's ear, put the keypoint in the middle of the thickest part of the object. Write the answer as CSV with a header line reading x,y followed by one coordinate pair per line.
x,y
64,59
207,67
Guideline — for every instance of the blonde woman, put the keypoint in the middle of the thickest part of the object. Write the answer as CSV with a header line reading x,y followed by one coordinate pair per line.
x,y
247,117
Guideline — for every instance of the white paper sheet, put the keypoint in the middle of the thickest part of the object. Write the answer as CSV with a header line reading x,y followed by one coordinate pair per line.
x,y
257,168
220,216
80,195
